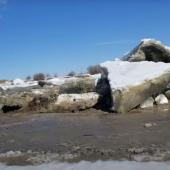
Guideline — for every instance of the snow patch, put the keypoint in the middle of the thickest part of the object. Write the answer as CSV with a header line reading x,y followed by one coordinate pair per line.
x,y
117,59
54,81
10,154
17,83
161,99
76,97
147,103
146,40
123,73
38,91
57,81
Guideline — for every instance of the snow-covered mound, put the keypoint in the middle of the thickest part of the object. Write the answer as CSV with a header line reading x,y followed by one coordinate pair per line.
x,y
123,73
17,83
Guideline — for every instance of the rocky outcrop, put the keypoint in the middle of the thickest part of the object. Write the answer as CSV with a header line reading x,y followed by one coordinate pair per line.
x,y
149,50
80,85
167,94
14,102
31,100
129,98
43,99
68,97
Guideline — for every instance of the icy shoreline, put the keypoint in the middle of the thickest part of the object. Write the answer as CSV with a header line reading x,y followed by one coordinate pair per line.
x,y
100,165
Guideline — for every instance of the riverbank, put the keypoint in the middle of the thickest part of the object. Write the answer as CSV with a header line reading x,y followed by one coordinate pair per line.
x,y
91,135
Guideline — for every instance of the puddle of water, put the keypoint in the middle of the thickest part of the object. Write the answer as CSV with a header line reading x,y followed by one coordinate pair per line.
x,y
99,165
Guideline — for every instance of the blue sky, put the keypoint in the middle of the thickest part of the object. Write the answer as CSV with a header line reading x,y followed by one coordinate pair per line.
x,y
58,36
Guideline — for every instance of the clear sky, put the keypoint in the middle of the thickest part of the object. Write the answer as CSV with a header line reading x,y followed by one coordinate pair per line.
x,y
58,36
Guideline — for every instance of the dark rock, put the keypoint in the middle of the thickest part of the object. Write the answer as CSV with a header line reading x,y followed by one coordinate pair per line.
x,y
150,50
42,83
167,94
1,90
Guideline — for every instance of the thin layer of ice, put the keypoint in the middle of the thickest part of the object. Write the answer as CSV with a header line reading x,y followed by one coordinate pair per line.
x,y
99,165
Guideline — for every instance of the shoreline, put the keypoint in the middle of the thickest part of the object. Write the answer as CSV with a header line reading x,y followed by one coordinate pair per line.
x,y
89,135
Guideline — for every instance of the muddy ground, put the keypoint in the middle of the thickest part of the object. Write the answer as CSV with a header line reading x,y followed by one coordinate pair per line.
x,y
142,135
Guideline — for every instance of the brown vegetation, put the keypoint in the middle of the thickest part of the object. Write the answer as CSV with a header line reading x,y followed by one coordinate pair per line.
x,y
39,76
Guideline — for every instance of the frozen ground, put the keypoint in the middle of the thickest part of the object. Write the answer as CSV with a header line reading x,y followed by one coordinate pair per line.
x,y
91,135
99,165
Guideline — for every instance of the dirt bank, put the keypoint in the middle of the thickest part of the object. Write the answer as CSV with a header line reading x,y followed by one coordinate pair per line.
x,y
91,135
